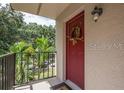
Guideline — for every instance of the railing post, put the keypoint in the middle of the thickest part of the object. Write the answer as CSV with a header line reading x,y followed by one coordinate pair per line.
x,y
21,68
14,69
33,66
27,68
38,66
55,63
48,64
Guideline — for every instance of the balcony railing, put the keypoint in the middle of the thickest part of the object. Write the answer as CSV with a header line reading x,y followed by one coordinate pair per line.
x,y
23,68
34,67
7,71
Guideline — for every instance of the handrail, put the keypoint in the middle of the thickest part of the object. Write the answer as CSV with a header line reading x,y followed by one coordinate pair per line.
x,y
4,55
40,52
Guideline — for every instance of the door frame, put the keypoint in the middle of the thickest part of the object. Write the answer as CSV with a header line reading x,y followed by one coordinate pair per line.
x,y
64,41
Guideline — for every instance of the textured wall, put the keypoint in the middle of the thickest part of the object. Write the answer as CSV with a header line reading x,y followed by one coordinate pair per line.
x,y
104,64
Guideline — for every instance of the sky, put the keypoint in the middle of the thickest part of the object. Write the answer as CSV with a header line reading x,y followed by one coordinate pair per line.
x,y
38,19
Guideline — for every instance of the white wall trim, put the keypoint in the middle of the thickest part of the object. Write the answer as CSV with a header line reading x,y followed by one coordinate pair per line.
x,y
74,14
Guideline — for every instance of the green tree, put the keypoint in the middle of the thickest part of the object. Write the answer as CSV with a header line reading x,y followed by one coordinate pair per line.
x,y
43,45
18,47
31,31
10,21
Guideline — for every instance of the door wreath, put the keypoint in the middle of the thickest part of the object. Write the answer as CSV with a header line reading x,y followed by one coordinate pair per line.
x,y
76,35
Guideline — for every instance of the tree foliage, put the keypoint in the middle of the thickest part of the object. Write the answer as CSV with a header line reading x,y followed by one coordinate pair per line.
x,y
10,21
14,31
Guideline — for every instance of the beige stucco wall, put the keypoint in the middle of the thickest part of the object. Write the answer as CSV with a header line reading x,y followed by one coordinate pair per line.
x,y
104,46
104,65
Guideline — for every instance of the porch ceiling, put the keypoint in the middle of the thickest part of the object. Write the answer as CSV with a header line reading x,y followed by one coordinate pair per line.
x,y
50,10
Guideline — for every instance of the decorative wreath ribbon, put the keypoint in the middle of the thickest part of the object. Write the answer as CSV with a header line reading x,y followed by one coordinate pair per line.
x,y
75,38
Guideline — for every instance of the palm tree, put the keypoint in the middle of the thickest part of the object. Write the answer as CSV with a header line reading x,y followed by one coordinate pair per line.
x,y
43,45
43,48
17,48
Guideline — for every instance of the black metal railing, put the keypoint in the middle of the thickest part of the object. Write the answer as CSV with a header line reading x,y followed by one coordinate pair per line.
x,y
23,68
34,66
7,71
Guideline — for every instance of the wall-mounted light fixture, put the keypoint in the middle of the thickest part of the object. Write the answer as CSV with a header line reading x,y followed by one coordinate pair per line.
x,y
96,13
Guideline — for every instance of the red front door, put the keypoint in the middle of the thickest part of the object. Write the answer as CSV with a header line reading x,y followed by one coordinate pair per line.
x,y
75,50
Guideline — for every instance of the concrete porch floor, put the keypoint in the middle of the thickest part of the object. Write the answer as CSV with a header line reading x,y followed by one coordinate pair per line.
x,y
41,84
